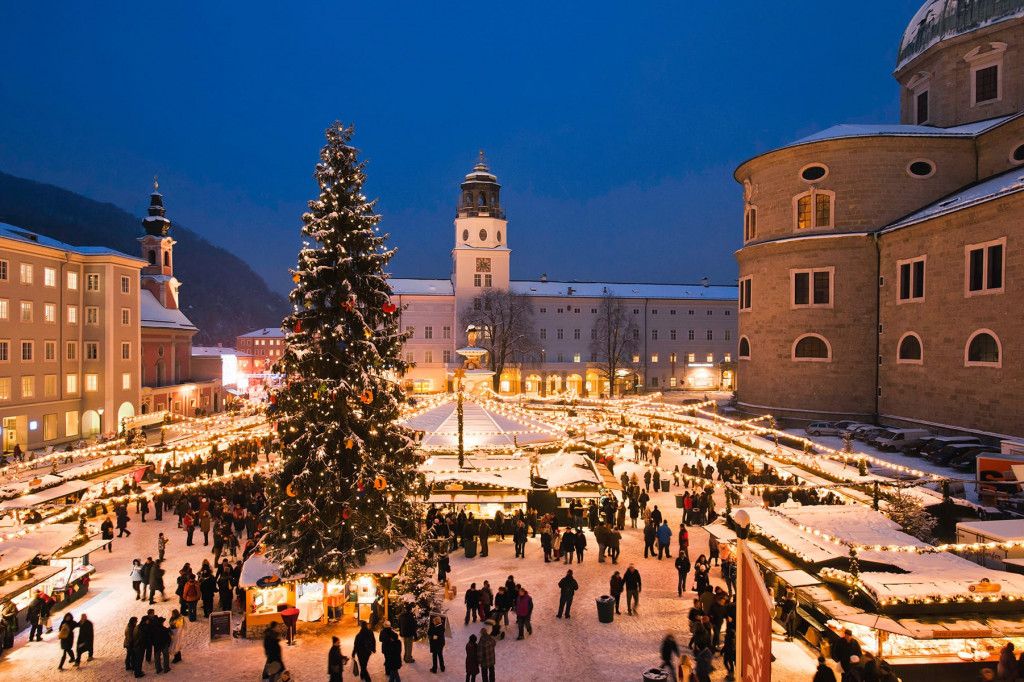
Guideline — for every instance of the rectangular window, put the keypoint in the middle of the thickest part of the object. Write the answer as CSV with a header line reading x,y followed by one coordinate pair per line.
x,y
26,273
71,383
410,357
750,224
126,350
5,351
92,383
488,282
822,210
576,334
986,84
92,350
49,277
92,282
126,381
428,332
636,334
446,356
636,359
746,285
559,334
50,386
73,281
92,315
26,311
126,285
428,356
72,350
5,388
26,351
50,312
803,212
710,312
5,309
910,279
691,357
985,267
672,335
921,102
49,426
654,359
476,280
4,270
50,351
711,357
446,332
690,335
812,288
561,357
727,358
126,316
728,335
575,357
543,333
70,423
28,387
711,335
654,335
672,358
72,316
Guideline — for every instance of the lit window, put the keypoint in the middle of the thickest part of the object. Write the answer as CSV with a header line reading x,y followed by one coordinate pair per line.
x,y
985,267
672,358
92,282
5,309
49,277
71,423
71,383
73,281
5,388
910,279
814,209
575,357
691,357
654,359
50,312
72,315
49,386
727,358
26,311
26,273
92,383
746,286
28,387
49,426
710,358
636,358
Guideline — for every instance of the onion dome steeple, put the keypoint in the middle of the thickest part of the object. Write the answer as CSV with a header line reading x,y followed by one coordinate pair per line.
x,y
481,193
156,223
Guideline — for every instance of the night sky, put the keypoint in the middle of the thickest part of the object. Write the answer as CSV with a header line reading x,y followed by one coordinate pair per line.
x,y
613,127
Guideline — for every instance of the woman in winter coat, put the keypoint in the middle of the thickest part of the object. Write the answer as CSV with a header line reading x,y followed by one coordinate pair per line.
x,y
335,661
486,647
177,626
435,635
129,633
615,586
472,659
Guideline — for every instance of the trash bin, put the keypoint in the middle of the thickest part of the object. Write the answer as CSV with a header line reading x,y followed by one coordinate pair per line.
x,y
664,485
470,548
655,675
605,609
679,501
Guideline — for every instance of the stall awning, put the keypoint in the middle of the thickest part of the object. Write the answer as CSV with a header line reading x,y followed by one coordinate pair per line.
x,y
568,494
798,578
608,479
473,498
81,551
256,567
384,562
13,558
12,589
45,496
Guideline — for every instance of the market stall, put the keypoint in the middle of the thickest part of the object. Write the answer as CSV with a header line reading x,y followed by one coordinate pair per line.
x,y
74,581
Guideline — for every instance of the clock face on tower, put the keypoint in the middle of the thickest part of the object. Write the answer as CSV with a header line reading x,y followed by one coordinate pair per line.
x,y
483,264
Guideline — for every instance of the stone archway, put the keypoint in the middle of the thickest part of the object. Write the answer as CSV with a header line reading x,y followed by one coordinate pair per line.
x,y
126,411
90,423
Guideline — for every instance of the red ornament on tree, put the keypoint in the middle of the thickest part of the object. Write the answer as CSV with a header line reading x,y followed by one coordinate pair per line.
x,y
389,307
298,326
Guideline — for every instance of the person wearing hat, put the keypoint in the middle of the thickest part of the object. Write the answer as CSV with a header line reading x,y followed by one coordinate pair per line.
x,y
823,673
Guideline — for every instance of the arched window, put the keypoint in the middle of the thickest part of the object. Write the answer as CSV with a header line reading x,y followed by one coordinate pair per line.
x,y
744,348
152,257
812,348
167,259
909,351
467,198
750,223
983,350
482,199
813,210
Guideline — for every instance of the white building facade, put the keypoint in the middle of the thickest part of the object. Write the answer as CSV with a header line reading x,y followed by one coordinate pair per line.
x,y
685,334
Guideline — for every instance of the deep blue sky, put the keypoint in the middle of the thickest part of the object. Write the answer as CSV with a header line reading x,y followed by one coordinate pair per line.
x,y
614,127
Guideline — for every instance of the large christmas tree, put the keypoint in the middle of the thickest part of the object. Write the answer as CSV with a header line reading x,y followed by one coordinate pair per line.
x,y
346,485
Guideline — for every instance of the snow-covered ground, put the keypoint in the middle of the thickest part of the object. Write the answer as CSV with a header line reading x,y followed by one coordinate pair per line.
x,y
579,649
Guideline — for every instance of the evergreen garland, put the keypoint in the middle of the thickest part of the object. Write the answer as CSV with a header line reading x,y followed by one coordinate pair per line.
x,y
348,476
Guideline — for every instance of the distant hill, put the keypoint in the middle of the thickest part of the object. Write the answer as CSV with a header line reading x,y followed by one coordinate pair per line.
x,y
222,295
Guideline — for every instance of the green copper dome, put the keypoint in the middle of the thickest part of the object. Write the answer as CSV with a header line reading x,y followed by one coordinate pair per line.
x,y
938,20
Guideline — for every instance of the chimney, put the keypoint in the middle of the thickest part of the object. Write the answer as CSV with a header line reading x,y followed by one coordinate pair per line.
x,y
705,282
544,277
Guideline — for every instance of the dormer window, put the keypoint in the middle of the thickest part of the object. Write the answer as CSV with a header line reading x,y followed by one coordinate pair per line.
x,y
986,73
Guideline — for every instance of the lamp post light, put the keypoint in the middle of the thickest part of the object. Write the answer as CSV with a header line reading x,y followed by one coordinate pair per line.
x,y
100,413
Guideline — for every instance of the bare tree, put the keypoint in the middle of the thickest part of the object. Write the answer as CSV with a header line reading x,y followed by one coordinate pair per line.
x,y
505,320
615,339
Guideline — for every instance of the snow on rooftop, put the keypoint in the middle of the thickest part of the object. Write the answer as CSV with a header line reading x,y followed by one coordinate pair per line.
x,y
482,427
29,237
265,332
1009,182
938,20
845,130
513,473
213,351
625,290
421,287
155,315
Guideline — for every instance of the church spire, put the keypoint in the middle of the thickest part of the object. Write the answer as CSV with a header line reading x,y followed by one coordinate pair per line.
x,y
156,223
481,193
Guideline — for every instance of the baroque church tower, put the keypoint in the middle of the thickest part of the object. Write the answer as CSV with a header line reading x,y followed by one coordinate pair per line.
x,y
158,250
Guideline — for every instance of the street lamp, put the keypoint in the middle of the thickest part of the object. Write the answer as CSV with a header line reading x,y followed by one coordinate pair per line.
x,y
100,413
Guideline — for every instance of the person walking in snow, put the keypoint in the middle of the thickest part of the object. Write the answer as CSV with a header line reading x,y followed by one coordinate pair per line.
x,y
524,611
581,545
86,635
633,584
435,636
664,534
567,587
682,570
335,661
274,665
568,545
472,658
615,587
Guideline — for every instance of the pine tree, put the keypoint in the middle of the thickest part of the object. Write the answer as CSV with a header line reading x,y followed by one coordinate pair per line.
x,y
346,484
911,515
416,585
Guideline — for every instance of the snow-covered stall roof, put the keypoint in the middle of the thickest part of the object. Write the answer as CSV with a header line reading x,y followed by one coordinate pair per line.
x,y
256,567
155,315
1003,530
384,562
559,469
482,427
25,485
45,496
44,540
12,558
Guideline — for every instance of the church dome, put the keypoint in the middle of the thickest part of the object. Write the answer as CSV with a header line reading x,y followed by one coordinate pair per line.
x,y
938,20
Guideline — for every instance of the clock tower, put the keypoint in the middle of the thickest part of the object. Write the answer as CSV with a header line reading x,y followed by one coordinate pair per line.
x,y
480,258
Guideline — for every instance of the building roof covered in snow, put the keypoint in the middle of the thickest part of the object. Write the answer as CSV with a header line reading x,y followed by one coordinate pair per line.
x,y
214,351
155,315
1010,182
401,286
30,237
443,287
939,20
847,130
265,332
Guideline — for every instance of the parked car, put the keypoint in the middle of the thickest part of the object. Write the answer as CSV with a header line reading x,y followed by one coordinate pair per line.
x,y
845,424
878,435
900,437
951,452
865,434
822,429
852,429
936,443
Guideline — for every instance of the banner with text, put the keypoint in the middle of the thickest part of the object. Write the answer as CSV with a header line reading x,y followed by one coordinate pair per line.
x,y
755,621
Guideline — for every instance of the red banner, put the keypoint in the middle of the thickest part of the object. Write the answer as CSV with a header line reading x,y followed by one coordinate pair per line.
x,y
754,621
